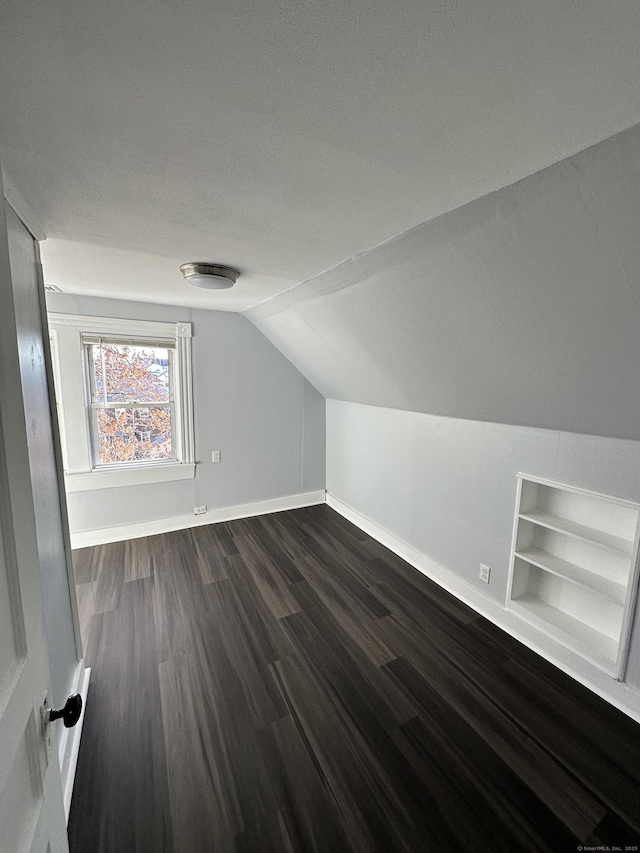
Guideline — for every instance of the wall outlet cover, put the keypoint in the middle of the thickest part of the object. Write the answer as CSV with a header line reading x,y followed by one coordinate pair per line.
x,y
199,510
485,573
215,455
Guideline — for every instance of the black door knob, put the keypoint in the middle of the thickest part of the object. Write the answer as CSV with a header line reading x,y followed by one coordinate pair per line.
x,y
70,714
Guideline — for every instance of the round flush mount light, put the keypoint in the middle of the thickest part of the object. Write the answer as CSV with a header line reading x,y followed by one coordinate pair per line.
x,y
210,276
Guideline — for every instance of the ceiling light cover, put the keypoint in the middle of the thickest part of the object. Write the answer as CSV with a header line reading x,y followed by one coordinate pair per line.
x,y
210,276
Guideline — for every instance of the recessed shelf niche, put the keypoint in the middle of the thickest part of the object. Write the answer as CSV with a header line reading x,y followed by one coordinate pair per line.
x,y
573,571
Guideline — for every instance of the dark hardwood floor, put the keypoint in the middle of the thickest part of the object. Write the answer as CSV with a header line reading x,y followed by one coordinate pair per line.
x,y
285,683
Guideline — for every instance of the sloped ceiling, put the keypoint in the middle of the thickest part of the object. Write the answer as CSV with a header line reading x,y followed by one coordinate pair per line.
x,y
522,307
286,137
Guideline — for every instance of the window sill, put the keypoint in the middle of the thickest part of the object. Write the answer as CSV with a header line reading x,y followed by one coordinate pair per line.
x,y
92,480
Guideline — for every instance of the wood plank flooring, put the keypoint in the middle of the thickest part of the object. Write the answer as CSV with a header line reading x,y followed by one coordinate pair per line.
x,y
284,683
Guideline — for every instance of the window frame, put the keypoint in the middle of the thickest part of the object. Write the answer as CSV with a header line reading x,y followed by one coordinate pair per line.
x,y
83,471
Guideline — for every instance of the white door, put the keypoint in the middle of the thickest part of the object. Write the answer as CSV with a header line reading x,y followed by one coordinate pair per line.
x,y
31,805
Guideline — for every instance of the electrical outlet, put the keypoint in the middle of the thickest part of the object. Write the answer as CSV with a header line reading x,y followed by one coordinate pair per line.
x,y
200,510
215,455
485,573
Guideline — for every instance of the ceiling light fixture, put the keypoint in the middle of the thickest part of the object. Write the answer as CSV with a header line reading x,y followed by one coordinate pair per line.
x,y
210,276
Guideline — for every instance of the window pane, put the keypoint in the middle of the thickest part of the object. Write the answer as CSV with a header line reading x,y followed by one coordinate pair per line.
x,y
131,435
128,373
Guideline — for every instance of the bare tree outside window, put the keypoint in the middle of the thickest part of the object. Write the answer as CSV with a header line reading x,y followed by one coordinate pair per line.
x,y
132,402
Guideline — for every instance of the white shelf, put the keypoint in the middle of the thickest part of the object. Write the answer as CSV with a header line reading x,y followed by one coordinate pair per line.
x,y
574,568
605,586
566,629
580,531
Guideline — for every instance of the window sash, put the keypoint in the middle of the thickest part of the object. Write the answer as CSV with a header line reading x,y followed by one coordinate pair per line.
x,y
129,340
95,439
132,404
95,404
90,341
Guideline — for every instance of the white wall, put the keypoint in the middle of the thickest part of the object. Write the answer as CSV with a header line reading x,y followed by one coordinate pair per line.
x,y
447,487
522,307
251,403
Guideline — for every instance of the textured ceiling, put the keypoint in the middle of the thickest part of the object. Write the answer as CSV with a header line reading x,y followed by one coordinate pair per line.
x,y
285,137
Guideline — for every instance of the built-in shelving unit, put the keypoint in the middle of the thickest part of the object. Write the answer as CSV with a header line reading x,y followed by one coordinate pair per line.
x,y
574,568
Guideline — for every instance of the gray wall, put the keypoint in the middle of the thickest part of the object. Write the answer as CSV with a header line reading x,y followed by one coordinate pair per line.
x,y
251,403
56,594
447,487
522,307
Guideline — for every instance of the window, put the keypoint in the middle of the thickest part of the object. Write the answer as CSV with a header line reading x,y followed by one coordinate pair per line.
x,y
132,408
124,396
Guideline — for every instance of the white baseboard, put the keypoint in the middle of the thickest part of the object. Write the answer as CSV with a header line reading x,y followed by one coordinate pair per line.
x,y
88,538
69,741
614,692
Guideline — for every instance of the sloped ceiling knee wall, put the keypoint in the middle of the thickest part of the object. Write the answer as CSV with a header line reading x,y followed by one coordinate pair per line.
x,y
522,307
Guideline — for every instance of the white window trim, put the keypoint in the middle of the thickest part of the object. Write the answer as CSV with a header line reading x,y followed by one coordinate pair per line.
x,y
80,474
104,479
57,380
